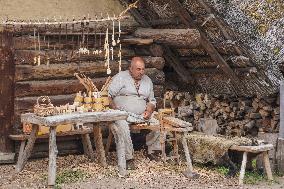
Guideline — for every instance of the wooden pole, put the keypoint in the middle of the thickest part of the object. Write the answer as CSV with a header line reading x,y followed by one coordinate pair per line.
x,y
280,144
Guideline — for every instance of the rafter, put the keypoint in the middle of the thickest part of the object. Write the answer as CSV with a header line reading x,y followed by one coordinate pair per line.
x,y
206,44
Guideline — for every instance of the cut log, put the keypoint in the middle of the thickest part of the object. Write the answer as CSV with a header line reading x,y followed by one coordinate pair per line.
x,y
55,71
175,37
60,87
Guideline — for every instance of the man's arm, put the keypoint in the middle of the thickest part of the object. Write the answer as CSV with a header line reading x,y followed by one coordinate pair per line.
x,y
114,89
151,105
111,103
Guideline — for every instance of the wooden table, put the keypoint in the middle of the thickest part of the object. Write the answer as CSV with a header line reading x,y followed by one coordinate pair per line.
x,y
73,118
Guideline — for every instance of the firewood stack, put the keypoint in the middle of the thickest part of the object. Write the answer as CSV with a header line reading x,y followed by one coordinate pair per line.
x,y
235,116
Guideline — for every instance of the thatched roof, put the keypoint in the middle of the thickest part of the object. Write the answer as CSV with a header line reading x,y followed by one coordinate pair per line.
x,y
233,57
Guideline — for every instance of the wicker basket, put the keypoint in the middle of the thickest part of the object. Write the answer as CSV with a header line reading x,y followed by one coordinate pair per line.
x,y
44,107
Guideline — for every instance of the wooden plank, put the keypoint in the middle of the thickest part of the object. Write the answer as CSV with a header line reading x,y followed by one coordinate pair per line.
x,y
59,71
175,37
7,72
252,149
59,134
207,45
73,118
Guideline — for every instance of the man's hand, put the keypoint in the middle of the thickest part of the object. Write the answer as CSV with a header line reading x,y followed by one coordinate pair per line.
x,y
149,110
147,114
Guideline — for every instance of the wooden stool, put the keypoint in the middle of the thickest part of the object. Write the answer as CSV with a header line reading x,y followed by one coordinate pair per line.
x,y
262,149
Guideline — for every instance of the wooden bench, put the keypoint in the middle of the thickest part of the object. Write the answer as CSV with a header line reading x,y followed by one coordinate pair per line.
x,y
87,145
261,149
168,124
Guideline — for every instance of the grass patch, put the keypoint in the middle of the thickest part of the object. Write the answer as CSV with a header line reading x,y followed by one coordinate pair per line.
x,y
70,176
253,177
222,170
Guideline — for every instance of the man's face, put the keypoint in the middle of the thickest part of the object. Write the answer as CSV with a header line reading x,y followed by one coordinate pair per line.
x,y
137,70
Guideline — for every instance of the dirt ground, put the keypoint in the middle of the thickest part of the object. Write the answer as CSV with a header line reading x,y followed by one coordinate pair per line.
x,y
150,174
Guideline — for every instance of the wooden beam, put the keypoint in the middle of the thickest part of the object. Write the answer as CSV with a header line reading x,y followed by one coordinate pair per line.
x,y
175,37
207,45
212,70
137,41
161,22
172,59
7,72
219,24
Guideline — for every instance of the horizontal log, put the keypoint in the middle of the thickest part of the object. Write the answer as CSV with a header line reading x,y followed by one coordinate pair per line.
x,y
175,37
70,41
59,87
67,70
127,25
63,56
137,41
25,104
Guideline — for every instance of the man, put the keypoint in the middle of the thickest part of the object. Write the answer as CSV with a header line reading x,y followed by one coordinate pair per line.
x,y
132,91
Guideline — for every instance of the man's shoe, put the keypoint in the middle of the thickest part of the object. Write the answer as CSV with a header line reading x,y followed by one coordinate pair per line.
x,y
155,156
130,165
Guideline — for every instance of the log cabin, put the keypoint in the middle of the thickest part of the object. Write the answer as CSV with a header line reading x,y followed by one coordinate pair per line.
x,y
188,46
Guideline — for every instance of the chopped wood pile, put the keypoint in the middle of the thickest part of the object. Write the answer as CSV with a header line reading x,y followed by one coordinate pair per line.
x,y
235,116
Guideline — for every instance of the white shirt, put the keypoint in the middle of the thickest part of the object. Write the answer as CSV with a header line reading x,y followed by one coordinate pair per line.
x,y
123,92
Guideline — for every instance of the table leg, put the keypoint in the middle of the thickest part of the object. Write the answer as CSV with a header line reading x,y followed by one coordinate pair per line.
x,y
88,149
99,144
25,154
189,172
52,157
243,169
267,165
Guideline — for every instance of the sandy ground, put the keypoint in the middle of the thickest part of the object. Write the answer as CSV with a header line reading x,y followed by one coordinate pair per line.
x,y
149,174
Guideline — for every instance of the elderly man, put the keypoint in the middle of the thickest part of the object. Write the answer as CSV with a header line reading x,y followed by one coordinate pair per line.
x,y
132,91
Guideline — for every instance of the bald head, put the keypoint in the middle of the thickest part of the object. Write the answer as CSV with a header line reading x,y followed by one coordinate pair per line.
x,y
137,68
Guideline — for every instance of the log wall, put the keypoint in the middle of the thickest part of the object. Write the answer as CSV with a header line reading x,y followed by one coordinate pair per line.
x,y
57,79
